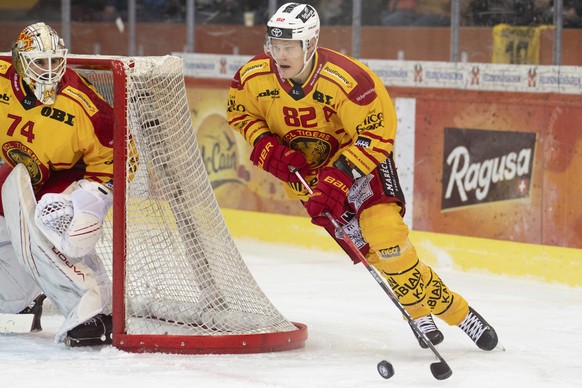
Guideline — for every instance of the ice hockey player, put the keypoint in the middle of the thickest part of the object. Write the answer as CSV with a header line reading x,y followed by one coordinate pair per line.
x,y
56,149
330,117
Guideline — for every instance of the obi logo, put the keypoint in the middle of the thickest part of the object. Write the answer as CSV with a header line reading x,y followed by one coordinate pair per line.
x,y
57,114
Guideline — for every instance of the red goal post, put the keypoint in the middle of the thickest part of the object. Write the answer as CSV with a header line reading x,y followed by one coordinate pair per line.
x,y
179,284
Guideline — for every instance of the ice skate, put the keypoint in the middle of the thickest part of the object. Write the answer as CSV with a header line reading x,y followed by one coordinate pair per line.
x,y
428,327
479,330
96,331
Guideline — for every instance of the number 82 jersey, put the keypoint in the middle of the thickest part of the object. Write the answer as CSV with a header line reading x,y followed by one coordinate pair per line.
x,y
341,109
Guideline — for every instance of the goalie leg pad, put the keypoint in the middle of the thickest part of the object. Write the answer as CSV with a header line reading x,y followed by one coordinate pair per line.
x,y
17,287
80,289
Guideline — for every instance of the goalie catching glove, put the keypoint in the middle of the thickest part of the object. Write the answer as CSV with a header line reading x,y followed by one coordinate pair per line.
x,y
329,195
74,223
276,158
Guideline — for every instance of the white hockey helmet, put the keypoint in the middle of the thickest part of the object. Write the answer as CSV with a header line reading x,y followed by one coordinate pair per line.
x,y
294,21
40,59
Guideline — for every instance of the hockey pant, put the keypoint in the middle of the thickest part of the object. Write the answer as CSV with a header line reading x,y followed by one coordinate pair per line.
x,y
379,232
80,289
418,288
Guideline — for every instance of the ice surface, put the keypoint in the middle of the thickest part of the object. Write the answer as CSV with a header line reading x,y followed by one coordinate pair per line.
x,y
352,326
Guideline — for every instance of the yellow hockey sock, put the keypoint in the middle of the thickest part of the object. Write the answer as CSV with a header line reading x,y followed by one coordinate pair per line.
x,y
418,288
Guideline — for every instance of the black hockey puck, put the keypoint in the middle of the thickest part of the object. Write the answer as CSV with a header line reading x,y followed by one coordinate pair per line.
x,y
385,369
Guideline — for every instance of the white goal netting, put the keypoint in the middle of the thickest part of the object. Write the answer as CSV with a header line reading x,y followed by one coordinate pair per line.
x,y
182,273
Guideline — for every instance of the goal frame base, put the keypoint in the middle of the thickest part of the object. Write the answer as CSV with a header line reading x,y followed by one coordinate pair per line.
x,y
216,344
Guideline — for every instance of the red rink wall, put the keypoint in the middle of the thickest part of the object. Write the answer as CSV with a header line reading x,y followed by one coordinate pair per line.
x,y
517,128
550,212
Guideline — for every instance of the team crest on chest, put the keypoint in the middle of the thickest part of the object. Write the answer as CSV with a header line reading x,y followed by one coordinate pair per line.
x,y
315,150
18,153
315,145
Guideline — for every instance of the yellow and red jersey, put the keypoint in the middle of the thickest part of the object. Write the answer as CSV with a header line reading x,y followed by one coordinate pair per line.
x,y
342,109
75,132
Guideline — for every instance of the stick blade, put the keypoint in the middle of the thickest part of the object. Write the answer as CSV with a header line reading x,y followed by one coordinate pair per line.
x,y
440,370
16,323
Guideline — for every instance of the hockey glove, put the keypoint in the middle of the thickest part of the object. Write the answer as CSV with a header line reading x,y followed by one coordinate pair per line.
x,y
343,219
91,202
74,223
330,194
276,159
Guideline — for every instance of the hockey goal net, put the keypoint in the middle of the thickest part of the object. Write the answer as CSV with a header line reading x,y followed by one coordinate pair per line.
x,y
179,282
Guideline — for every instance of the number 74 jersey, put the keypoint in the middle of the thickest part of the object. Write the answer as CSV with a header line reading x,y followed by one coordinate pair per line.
x,y
342,108
75,132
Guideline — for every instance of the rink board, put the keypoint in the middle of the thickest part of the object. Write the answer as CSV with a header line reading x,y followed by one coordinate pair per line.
x,y
549,263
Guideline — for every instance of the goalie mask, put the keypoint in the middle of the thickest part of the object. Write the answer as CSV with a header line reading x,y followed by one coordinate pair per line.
x,y
294,21
39,57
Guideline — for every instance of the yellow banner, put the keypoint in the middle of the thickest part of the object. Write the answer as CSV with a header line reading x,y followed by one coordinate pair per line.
x,y
236,182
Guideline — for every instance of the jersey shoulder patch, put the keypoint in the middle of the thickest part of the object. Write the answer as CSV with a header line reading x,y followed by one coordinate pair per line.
x,y
74,87
260,64
353,78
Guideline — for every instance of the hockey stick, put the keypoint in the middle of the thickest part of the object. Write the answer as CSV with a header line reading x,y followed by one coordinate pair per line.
x,y
440,370
27,321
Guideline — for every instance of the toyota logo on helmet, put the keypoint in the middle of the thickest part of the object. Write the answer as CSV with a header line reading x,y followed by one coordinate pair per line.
x,y
294,21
